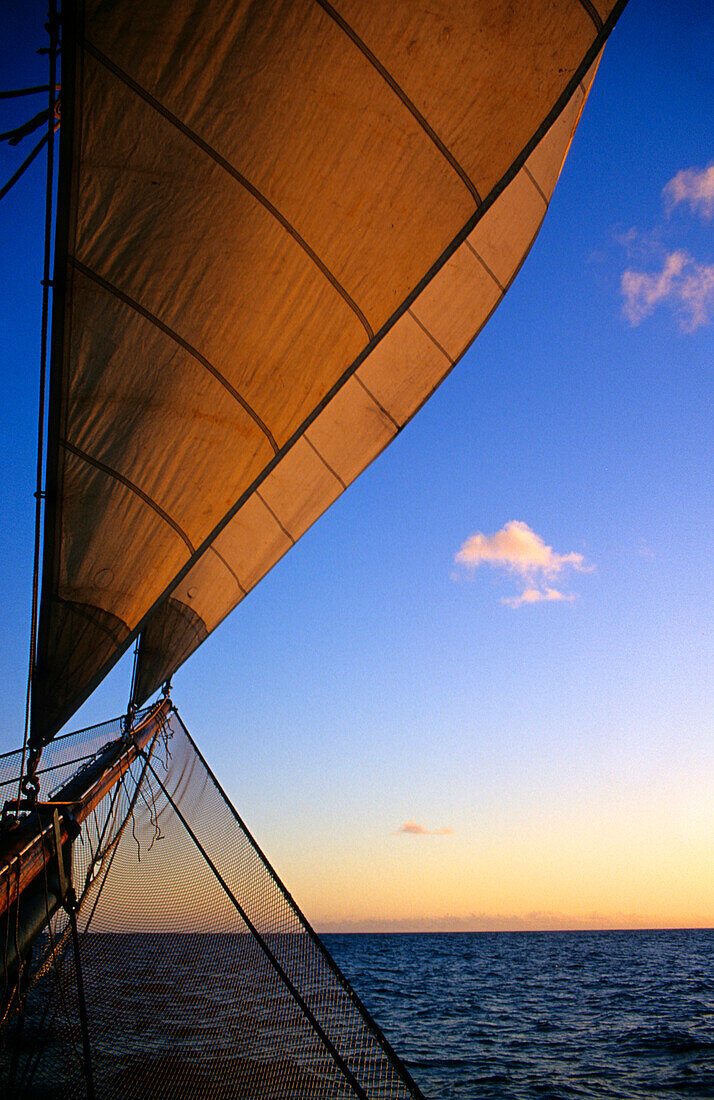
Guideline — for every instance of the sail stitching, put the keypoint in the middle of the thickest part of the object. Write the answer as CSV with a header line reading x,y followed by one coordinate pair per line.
x,y
431,336
173,335
134,489
324,461
401,94
232,171
593,13
379,405
535,183
230,570
483,263
287,534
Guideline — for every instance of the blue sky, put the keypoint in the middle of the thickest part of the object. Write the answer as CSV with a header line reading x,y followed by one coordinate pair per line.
x,y
371,681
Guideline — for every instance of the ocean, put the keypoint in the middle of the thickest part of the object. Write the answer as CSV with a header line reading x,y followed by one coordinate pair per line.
x,y
479,1016
543,1015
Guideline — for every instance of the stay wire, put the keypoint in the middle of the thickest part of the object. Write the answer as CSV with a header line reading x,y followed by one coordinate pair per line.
x,y
52,27
131,706
15,135
13,93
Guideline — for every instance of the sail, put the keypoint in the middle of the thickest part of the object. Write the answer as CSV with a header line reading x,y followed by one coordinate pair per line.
x,y
280,226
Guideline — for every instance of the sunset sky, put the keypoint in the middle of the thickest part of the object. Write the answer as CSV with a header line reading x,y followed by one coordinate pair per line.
x,y
478,692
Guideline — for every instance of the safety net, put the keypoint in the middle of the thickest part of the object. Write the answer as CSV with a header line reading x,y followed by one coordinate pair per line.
x,y
186,969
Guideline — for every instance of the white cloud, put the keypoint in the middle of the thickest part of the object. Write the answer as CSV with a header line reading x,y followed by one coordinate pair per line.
x,y
535,595
697,297
683,283
414,829
687,285
694,186
518,549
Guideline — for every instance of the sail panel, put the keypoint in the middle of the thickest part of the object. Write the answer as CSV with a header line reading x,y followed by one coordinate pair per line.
x,y
369,410
278,99
482,68
263,197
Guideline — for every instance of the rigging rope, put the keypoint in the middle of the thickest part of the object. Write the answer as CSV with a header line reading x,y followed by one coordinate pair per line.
x,y
15,136
13,93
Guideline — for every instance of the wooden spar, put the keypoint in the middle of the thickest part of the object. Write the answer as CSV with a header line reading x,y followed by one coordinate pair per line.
x,y
33,847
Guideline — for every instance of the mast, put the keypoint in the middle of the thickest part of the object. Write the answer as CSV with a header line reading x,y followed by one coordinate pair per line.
x,y
57,395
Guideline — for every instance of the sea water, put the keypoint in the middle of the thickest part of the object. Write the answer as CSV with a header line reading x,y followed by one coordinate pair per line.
x,y
546,1015
478,1016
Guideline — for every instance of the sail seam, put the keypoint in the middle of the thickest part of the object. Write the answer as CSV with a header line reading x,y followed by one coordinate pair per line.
x,y
283,529
173,335
537,186
431,336
379,405
402,95
232,171
98,465
593,13
232,573
483,263
324,461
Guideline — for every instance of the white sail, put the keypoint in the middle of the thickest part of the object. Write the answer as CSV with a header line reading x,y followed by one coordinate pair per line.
x,y
283,224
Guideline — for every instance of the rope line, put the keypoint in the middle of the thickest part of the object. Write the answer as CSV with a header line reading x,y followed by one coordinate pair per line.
x,y
13,93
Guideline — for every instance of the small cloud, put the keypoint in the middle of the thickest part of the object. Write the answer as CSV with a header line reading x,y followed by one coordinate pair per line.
x,y
638,244
682,282
413,828
518,549
695,186
535,595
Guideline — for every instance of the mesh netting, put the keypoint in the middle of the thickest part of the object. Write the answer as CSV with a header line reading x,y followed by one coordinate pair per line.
x,y
202,979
